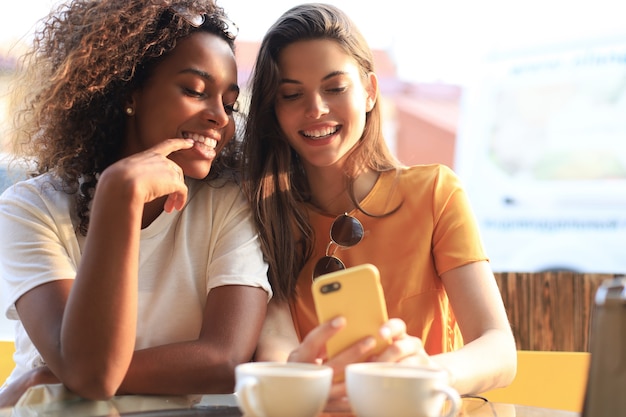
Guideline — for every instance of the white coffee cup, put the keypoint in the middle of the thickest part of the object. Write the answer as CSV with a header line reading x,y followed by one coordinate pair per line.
x,y
277,389
378,389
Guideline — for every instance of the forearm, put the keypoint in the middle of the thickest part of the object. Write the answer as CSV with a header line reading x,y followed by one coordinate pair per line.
x,y
489,358
99,322
278,335
180,369
229,335
275,349
486,363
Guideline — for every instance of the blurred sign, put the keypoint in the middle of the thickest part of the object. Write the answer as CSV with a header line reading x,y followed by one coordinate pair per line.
x,y
542,151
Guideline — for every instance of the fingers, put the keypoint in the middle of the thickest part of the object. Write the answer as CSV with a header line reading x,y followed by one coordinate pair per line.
x,y
172,145
313,347
171,180
403,347
337,399
360,351
10,394
151,174
175,201
337,391
393,329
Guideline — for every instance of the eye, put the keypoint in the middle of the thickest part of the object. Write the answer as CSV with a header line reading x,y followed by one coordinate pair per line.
x,y
289,93
290,96
193,93
337,90
231,108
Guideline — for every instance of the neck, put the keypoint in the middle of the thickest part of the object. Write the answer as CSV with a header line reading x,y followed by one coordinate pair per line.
x,y
330,191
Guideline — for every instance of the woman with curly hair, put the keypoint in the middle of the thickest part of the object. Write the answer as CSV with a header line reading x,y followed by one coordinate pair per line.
x,y
322,180
129,267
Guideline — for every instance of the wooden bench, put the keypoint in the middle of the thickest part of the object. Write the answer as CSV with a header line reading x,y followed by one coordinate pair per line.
x,y
550,311
550,314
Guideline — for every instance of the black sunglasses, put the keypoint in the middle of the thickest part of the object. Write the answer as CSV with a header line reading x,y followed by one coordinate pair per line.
x,y
346,231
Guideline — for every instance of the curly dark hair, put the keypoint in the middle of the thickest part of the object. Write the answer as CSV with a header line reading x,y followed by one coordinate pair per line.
x,y
85,61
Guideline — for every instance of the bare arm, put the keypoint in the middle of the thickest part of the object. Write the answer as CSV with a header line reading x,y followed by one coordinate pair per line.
x,y
278,336
230,330
85,328
488,359
233,320
279,340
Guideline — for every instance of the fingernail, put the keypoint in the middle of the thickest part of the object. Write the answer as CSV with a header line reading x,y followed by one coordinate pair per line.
x,y
338,321
385,332
370,342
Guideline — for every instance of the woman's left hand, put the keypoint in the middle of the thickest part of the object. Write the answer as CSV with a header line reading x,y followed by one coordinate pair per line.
x,y
403,348
10,394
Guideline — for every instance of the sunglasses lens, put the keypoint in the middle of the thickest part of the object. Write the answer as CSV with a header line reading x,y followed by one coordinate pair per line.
x,y
230,28
326,265
195,20
346,231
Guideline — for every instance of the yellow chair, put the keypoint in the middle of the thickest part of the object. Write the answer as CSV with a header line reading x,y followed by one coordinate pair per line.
x,y
7,348
547,379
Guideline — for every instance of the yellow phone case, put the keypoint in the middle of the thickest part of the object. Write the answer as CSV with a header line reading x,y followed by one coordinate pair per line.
x,y
356,294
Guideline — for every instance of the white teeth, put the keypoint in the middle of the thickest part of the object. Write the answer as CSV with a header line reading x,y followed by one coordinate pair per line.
x,y
319,133
211,143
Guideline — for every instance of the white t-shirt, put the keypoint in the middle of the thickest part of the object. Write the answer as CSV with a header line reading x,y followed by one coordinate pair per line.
x,y
183,255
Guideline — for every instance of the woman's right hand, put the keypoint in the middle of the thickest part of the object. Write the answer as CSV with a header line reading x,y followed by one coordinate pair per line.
x,y
10,394
151,173
312,349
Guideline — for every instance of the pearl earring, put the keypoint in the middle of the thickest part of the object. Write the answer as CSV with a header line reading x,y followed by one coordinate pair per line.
x,y
130,111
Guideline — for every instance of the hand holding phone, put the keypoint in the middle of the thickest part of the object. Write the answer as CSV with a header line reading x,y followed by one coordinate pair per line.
x,y
356,294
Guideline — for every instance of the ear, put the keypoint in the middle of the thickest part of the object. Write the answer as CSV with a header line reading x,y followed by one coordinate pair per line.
x,y
371,88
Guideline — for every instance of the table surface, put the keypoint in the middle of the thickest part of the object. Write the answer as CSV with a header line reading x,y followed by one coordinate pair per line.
x,y
226,406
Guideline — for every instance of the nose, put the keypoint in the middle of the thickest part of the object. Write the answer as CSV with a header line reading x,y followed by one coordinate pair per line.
x,y
214,112
316,106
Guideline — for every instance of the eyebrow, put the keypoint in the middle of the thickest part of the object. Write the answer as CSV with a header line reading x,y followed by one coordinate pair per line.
x,y
327,77
208,77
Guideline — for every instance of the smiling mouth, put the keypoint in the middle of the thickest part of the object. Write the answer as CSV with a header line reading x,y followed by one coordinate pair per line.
x,y
320,133
209,142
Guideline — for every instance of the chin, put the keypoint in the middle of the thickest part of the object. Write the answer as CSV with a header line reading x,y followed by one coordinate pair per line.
x,y
197,171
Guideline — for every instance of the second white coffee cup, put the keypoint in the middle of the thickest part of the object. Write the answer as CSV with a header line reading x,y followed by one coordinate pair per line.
x,y
390,389
277,389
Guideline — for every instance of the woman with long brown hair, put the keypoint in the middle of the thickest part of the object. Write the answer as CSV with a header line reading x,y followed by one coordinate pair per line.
x,y
317,170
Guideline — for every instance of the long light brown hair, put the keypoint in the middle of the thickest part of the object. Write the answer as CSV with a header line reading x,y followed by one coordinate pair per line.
x,y
274,178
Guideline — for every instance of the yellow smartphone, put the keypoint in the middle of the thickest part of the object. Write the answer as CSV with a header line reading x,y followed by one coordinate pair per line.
x,y
356,294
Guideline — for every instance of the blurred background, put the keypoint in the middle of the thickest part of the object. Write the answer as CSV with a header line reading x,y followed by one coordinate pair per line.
x,y
430,41
523,99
